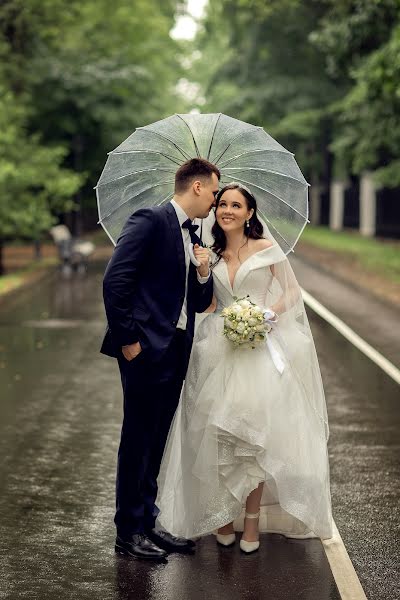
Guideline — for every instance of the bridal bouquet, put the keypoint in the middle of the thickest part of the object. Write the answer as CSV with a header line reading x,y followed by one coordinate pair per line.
x,y
245,324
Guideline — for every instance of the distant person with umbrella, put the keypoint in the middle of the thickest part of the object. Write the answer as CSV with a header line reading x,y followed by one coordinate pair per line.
x,y
151,293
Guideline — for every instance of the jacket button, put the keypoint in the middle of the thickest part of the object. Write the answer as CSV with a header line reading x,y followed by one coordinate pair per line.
x,y
174,322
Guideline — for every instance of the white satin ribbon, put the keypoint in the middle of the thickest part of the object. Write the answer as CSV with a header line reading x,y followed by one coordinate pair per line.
x,y
192,256
276,357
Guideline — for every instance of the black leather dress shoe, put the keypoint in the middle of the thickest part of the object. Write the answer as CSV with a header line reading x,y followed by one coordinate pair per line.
x,y
170,542
140,546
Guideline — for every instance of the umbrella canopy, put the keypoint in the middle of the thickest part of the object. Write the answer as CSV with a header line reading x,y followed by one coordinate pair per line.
x,y
140,172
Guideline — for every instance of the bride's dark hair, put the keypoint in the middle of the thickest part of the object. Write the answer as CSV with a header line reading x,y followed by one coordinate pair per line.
x,y
254,231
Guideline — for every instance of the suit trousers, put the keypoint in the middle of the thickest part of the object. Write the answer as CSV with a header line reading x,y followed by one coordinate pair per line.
x,y
151,396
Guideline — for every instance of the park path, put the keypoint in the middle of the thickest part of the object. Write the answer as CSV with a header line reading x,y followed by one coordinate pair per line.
x,y
60,415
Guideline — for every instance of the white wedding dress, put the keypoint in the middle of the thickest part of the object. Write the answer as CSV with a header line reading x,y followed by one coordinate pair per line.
x,y
240,421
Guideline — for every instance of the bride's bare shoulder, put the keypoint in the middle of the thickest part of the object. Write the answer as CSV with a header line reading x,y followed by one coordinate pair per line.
x,y
262,244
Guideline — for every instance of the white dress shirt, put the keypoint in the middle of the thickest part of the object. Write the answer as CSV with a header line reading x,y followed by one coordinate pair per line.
x,y
182,217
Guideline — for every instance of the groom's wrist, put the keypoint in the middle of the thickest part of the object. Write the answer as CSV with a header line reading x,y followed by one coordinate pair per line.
x,y
203,277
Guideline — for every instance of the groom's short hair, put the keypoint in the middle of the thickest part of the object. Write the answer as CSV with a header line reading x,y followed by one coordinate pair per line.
x,y
195,168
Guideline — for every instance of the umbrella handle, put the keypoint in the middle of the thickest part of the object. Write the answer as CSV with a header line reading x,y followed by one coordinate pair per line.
x,y
193,259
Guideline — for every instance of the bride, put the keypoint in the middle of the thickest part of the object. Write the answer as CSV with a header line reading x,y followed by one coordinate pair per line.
x,y
247,449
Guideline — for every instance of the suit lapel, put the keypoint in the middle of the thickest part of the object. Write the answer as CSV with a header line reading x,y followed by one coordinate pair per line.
x,y
177,236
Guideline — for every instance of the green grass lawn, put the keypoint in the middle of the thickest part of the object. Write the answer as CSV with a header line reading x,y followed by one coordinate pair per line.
x,y
377,255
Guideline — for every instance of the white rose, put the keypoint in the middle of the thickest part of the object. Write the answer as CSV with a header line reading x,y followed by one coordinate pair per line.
x,y
240,327
252,321
244,303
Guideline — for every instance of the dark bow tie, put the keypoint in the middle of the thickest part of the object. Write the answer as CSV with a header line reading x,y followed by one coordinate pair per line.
x,y
192,231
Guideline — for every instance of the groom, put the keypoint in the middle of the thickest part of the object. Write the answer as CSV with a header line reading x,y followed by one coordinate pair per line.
x,y
151,294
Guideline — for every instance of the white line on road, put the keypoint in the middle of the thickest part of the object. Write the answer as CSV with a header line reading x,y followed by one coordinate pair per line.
x,y
346,578
352,336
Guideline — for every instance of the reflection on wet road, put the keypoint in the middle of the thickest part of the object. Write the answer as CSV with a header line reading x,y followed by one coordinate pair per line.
x,y
60,416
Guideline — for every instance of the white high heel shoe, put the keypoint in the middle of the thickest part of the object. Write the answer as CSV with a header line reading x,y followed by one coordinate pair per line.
x,y
227,539
249,547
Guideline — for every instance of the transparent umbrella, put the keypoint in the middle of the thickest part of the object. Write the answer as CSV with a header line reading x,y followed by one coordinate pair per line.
x,y
140,171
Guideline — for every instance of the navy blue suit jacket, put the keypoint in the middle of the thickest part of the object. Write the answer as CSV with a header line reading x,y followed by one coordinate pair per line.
x,y
144,284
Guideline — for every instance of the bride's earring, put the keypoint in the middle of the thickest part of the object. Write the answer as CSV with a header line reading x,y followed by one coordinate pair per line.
x,y
247,224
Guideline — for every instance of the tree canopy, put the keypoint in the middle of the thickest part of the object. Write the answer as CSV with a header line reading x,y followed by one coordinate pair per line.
x,y
323,77
75,79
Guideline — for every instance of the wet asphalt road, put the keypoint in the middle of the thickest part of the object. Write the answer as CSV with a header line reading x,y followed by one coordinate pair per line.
x,y
60,415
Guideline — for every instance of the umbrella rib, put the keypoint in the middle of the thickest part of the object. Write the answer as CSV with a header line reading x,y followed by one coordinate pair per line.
x,y
191,133
231,142
264,171
122,204
254,152
167,197
268,192
164,137
212,137
99,222
147,152
131,173
280,235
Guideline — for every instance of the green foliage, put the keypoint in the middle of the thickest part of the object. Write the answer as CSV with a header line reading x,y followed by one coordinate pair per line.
x,y
370,115
78,77
32,183
350,30
267,72
322,77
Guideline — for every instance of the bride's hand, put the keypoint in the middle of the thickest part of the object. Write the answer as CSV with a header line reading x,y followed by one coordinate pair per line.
x,y
202,255
271,315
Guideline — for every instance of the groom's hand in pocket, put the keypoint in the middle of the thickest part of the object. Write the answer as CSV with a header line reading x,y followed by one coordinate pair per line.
x,y
132,351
